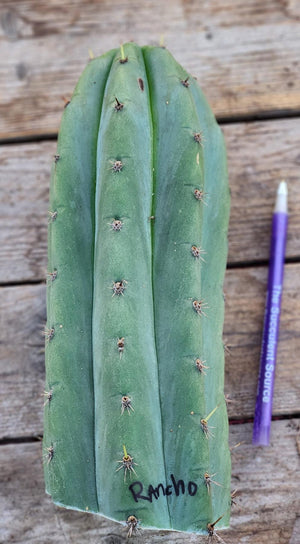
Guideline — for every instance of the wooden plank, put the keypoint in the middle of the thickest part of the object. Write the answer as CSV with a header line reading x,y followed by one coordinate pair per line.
x,y
295,538
244,312
22,321
259,155
25,174
22,355
244,54
266,508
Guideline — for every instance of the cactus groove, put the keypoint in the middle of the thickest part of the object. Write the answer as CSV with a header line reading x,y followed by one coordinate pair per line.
x,y
135,424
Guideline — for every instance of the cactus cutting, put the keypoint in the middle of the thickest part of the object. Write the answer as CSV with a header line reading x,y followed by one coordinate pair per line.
x,y
137,248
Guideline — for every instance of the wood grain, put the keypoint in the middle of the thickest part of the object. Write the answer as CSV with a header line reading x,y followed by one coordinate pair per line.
x,y
244,311
22,351
244,54
22,322
24,173
267,503
259,155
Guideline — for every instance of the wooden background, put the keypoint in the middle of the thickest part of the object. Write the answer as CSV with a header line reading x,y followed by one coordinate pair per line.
x,y
246,57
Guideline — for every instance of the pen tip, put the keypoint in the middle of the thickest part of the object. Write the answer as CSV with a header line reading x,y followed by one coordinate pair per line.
x,y
281,198
282,188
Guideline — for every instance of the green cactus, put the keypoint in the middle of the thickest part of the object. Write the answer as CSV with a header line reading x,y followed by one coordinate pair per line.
x,y
135,421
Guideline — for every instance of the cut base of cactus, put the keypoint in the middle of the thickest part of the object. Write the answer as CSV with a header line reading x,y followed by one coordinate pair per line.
x,y
140,526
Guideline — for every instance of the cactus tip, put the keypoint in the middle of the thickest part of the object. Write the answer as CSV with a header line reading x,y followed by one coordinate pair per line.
x,y
162,41
123,59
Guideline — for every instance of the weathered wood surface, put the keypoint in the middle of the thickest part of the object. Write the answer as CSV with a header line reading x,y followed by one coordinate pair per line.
x,y
244,54
259,155
267,480
22,351
246,58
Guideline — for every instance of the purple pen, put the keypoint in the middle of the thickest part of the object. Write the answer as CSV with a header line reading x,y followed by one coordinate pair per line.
x,y
264,399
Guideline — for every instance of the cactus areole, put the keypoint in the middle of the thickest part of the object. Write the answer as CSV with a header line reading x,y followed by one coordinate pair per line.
x,y
136,425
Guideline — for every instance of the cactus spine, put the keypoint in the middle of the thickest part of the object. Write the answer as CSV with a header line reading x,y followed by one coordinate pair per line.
x,y
135,418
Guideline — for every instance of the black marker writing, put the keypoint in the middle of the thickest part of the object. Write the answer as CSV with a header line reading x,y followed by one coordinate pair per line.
x,y
178,487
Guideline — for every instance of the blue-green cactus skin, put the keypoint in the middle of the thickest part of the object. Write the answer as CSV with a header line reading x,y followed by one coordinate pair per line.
x,y
139,208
